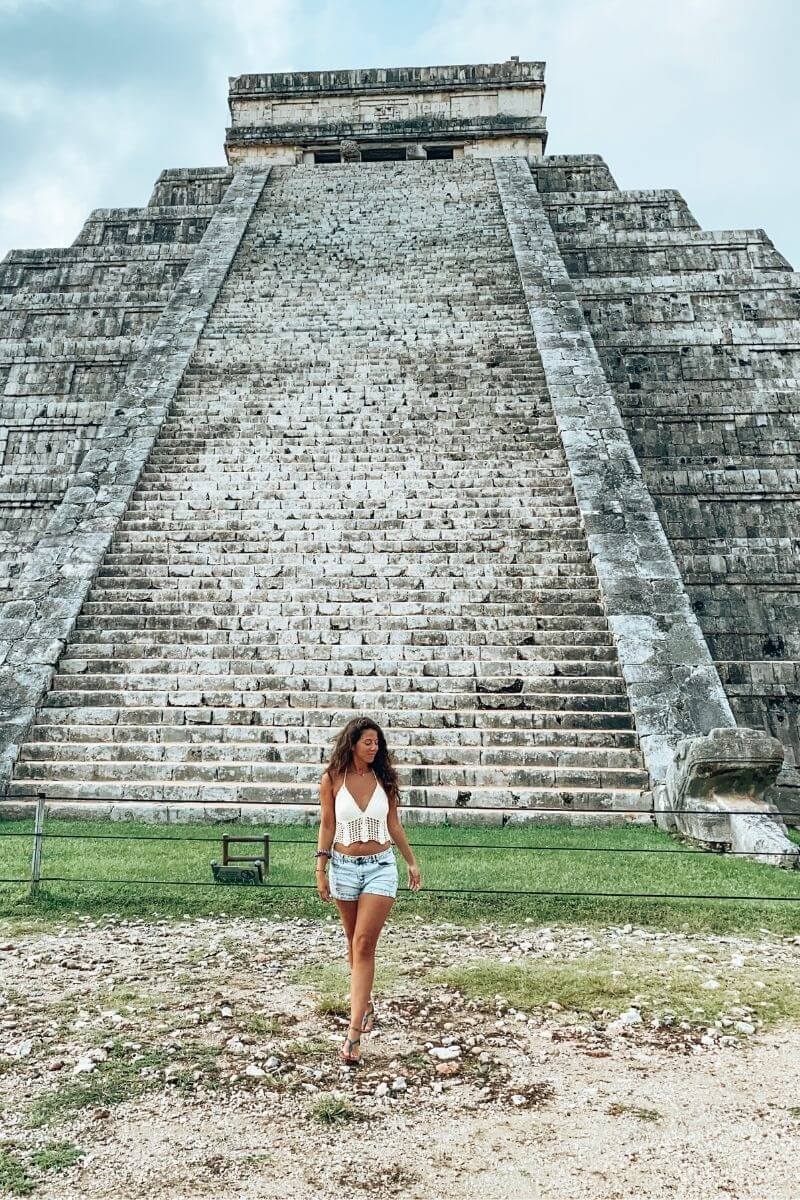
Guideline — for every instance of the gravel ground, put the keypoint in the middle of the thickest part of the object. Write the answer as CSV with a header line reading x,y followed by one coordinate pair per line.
x,y
209,1057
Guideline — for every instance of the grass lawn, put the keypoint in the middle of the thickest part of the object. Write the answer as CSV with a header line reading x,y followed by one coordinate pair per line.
x,y
489,863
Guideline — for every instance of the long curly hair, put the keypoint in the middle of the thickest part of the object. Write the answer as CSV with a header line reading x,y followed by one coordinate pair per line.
x,y
342,754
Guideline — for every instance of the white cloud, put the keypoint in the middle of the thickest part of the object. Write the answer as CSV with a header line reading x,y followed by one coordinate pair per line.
x,y
82,145
85,144
29,205
698,95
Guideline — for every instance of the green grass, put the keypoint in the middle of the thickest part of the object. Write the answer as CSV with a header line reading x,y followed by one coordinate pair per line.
x,y
260,1025
116,1079
445,860
606,983
16,1178
332,1110
120,1077
56,1157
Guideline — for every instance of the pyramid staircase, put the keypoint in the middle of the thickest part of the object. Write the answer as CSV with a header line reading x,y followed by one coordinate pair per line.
x,y
358,504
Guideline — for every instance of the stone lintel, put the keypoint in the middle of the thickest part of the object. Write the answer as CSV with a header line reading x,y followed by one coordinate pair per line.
x,y
389,79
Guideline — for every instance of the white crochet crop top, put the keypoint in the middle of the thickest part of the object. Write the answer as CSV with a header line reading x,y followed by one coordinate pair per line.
x,y
354,824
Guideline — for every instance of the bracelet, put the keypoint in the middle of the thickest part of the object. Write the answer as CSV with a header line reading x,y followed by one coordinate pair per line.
x,y
323,853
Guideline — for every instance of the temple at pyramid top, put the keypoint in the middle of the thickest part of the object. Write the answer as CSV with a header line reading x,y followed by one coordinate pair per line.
x,y
482,110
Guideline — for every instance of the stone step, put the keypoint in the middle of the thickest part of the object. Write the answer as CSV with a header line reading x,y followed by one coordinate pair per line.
x,y
183,715
573,681
89,750
545,472
484,670
564,524
173,792
452,434
353,502
306,451
250,484
527,607
200,697
536,460
312,743
307,815
134,547
225,656
306,776
184,449
407,578
187,556
526,624
416,643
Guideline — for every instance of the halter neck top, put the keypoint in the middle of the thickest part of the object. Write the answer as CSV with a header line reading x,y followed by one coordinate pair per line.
x,y
354,824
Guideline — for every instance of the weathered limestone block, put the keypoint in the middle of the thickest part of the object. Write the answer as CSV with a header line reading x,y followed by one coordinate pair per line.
x,y
712,779
190,185
571,173
789,794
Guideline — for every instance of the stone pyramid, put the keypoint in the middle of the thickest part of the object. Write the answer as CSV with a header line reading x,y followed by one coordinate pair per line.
x,y
398,415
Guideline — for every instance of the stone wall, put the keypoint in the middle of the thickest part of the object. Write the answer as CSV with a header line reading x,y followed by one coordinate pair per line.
x,y
72,320
53,576
672,685
699,335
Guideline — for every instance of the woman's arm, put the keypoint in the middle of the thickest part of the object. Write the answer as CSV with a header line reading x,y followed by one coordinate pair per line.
x,y
399,838
327,829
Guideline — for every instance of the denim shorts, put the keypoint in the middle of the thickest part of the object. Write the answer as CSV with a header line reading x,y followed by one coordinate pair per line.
x,y
352,874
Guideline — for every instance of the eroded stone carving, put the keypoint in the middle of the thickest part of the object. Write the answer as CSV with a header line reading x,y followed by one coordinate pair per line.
x,y
349,151
709,783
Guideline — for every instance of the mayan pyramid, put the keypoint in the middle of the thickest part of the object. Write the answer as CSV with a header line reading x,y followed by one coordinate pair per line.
x,y
397,414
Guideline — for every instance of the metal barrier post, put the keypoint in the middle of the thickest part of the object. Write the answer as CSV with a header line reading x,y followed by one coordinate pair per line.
x,y
38,830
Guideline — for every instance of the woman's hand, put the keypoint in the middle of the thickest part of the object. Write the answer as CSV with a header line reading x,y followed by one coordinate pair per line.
x,y
414,877
323,886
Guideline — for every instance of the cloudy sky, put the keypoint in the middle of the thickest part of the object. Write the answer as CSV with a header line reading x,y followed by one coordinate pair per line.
x,y
97,96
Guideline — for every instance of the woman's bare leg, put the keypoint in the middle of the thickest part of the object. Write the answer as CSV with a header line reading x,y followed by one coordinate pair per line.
x,y
372,913
348,910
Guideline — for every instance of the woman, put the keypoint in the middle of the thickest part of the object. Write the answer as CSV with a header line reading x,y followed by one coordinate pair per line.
x,y
358,797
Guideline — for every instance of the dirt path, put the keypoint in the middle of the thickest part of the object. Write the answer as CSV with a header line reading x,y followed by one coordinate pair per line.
x,y
188,1059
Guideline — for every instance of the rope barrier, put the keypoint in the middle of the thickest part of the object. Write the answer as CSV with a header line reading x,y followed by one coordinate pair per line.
x,y
428,891
159,837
